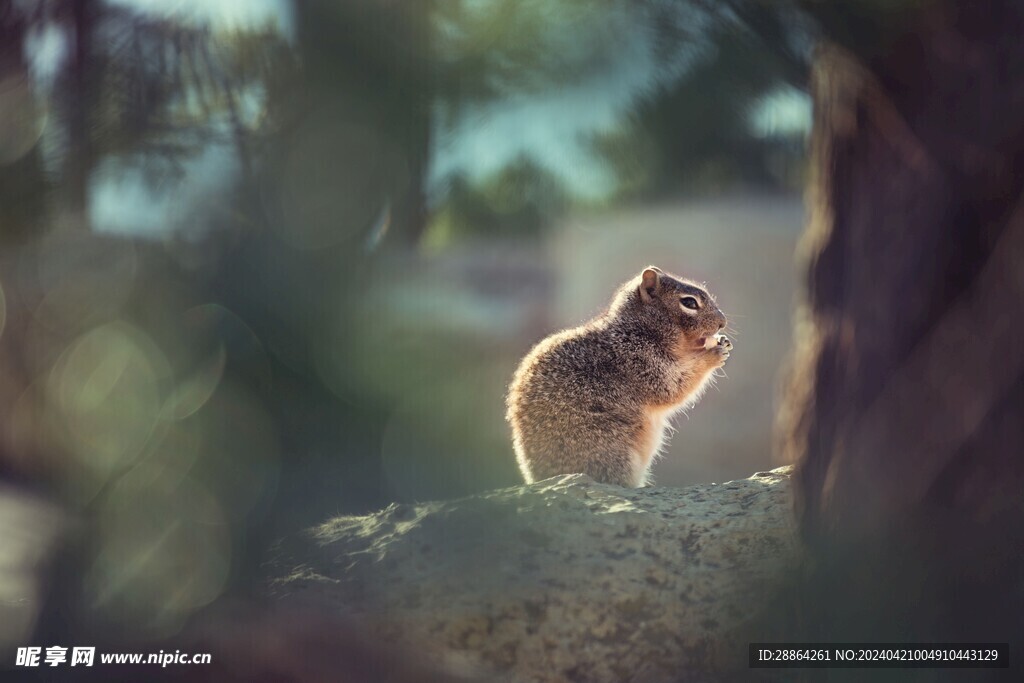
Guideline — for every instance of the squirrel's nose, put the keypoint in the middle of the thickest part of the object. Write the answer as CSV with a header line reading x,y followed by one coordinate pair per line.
x,y
721,325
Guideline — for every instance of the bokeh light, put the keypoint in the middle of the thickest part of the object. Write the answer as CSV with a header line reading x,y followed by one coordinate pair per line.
x,y
103,389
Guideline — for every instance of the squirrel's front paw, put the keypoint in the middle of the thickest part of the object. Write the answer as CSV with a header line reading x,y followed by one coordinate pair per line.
x,y
721,350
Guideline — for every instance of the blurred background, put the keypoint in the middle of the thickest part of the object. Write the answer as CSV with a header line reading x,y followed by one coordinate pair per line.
x,y
262,261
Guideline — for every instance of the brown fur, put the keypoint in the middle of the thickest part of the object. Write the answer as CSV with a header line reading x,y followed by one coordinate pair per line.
x,y
597,398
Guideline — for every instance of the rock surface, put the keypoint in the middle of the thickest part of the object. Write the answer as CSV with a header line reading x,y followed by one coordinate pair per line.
x,y
562,580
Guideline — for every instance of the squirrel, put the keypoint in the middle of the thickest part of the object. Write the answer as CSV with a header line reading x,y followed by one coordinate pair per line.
x,y
596,399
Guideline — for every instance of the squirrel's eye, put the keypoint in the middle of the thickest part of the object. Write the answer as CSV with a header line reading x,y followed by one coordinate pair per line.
x,y
689,302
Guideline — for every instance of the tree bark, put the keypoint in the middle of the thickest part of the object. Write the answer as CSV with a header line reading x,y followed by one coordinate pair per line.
x,y
903,407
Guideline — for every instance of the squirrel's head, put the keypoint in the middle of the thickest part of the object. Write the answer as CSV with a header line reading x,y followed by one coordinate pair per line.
x,y
679,306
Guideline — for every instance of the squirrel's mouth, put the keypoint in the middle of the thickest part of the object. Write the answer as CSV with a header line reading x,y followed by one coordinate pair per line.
x,y
707,342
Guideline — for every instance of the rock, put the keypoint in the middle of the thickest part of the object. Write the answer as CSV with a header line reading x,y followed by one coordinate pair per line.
x,y
562,580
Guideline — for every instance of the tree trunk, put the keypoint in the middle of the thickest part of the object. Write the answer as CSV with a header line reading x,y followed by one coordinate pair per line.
x,y
903,411
368,69
80,104
23,186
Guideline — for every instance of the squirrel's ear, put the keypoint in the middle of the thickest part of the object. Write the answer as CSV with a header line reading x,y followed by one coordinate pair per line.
x,y
650,283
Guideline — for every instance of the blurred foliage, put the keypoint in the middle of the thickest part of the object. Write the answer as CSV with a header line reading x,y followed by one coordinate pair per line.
x,y
521,200
695,135
689,129
497,48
